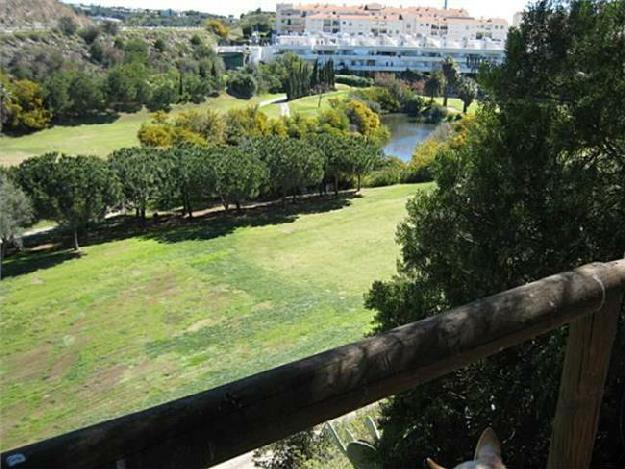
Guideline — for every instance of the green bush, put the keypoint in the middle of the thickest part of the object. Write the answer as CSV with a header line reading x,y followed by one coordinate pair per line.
x,y
414,105
390,174
89,34
435,113
354,80
242,85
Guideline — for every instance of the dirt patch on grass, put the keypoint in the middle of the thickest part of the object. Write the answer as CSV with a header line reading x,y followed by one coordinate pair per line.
x,y
63,364
104,380
30,364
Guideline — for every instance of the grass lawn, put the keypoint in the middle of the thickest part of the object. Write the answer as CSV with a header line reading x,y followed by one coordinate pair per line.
x,y
458,105
142,319
101,138
309,106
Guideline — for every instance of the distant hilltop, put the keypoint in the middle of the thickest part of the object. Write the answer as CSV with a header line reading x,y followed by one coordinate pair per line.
x,y
29,14
374,19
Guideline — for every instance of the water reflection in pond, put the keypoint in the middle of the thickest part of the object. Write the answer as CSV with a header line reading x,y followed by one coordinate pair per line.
x,y
406,134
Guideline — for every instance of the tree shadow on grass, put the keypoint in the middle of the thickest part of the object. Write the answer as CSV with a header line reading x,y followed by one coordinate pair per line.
x,y
102,118
216,224
28,262
48,249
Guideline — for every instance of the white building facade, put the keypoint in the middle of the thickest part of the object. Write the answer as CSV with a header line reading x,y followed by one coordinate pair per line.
x,y
390,54
374,19
374,38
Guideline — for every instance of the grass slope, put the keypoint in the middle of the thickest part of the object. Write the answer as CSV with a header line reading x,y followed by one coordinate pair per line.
x,y
143,319
100,138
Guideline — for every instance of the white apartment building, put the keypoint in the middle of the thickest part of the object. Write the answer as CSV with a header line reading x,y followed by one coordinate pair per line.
x,y
361,54
374,19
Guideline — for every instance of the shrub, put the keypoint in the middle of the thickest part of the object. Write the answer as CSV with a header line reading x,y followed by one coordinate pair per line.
x,y
196,40
435,113
110,27
89,34
388,175
242,85
160,45
218,28
414,106
67,25
354,80
382,96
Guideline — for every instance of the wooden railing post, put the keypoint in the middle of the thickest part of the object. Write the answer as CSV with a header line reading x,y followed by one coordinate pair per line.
x,y
584,373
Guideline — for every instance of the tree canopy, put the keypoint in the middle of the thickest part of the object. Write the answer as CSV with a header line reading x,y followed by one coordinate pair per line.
x,y
535,188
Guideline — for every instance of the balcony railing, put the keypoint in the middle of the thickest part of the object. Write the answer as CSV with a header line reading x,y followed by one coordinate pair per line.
x,y
213,426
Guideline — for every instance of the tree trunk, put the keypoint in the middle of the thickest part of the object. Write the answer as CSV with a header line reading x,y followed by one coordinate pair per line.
x,y
238,203
358,182
188,204
465,107
76,246
336,185
445,96
2,245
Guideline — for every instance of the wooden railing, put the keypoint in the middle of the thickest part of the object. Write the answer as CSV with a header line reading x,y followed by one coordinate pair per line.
x,y
213,426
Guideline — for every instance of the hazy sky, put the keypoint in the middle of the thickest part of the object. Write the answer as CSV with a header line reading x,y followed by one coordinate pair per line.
x,y
496,8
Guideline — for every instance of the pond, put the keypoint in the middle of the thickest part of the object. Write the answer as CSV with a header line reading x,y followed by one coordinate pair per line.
x,y
406,134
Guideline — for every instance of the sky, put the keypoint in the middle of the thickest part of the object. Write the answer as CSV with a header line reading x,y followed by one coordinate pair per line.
x,y
491,8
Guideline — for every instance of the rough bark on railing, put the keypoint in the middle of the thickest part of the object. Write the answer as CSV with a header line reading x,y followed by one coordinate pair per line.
x,y
216,425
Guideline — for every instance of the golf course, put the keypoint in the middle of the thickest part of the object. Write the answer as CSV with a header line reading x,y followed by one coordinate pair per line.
x,y
145,316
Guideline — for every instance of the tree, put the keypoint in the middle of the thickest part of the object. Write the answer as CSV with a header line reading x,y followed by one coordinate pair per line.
x,y
67,25
192,177
242,123
239,175
142,174
365,157
72,190
136,51
127,87
5,98
56,93
15,213
451,73
218,28
89,34
336,156
434,84
163,92
207,123
23,103
242,85
467,92
85,94
536,188
292,164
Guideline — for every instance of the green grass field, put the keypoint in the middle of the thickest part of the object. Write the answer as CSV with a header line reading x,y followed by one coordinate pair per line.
x,y
457,104
101,138
149,317
310,105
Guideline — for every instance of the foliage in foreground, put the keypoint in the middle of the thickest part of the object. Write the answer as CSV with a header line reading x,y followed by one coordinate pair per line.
x,y
536,189
15,213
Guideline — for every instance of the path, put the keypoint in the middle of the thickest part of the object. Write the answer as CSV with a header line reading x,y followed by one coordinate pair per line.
x,y
267,102
285,110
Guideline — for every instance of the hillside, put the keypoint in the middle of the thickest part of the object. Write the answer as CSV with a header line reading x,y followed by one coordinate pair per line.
x,y
28,14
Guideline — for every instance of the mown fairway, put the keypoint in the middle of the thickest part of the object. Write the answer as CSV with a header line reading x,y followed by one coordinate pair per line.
x,y
104,137
144,319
